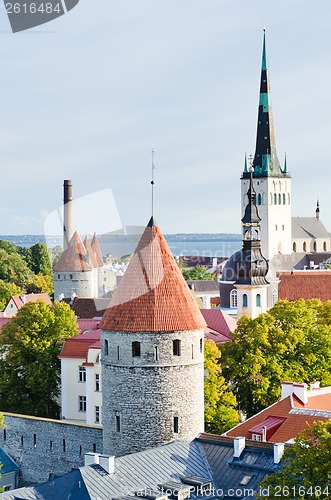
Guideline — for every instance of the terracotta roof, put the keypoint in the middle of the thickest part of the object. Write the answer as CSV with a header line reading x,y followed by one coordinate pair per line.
x,y
74,258
305,285
21,300
152,295
220,321
97,250
88,307
78,346
90,252
295,420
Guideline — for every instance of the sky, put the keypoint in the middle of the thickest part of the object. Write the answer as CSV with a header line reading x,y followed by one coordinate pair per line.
x,y
88,96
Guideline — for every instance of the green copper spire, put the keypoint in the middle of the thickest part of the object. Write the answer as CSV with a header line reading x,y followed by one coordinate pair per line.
x,y
245,164
265,161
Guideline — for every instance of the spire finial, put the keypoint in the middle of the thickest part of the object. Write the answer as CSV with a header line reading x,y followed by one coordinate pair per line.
x,y
317,209
152,182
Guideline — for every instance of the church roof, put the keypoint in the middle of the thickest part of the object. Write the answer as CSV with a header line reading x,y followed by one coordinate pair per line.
x,y
308,227
152,295
265,162
74,258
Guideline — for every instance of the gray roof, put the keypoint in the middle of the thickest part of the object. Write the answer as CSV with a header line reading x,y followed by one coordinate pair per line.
x,y
7,463
207,286
308,227
208,457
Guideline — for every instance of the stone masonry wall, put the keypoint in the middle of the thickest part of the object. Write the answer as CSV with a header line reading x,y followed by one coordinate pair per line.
x,y
43,446
142,395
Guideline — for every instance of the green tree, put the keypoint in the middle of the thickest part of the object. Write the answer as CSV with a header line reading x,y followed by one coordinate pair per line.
x,y
220,403
6,291
55,253
197,273
306,470
2,425
29,367
41,284
290,342
13,269
39,260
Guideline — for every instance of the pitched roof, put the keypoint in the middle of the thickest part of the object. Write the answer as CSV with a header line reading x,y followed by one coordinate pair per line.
x,y
219,321
74,258
308,284
204,286
210,460
97,250
7,463
88,338
152,295
90,252
88,307
21,300
296,416
308,227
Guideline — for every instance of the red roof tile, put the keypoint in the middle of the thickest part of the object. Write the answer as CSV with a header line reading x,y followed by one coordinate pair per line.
x,y
90,253
219,321
78,346
74,258
97,250
296,285
152,295
88,307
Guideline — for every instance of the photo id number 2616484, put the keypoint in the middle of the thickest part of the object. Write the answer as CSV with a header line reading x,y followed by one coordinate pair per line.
x,y
33,8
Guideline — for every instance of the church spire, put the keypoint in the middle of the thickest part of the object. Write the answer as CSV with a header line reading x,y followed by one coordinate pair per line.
x,y
265,162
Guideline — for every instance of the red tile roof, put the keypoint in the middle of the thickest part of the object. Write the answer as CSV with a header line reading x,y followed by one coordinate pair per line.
x,y
152,295
88,307
296,285
97,250
21,300
220,321
296,416
74,258
90,253
78,346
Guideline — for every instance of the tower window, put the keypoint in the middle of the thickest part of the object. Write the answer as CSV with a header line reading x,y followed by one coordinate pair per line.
x,y
259,199
176,425
118,423
135,349
304,246
294,247
64,445
192,351
315,246
245,300
82,374
284,199
201,345
118,353
258,300
276,227
106,347
176,347
279,199
156,353
283,227
233,299
275,199
324,246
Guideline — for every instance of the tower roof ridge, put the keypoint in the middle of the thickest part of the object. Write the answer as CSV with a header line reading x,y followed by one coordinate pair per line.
x,y
152,295
74,258
97,250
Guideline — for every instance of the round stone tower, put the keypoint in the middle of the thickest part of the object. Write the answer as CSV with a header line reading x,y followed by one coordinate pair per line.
x,y
152,354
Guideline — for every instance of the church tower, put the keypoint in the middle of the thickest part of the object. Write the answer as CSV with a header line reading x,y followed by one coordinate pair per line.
x,y
272,183
251,267
152,338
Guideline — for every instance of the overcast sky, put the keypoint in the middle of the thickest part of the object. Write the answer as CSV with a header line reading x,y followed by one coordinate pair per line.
x,y
89,95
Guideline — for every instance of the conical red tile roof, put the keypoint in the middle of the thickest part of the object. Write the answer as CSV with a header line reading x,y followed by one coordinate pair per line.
x,y
91,258
74,258
97,250
152,295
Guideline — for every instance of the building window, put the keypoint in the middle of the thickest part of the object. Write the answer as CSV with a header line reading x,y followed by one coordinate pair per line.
x,y
106,347
258,300
118,423
270,198
156,353
192,351
315,246
288,198
259,199
82,374
51,445
256,437
245,300
4,435
97,382
233,299
274,297
71,276
82,403
97,414
275,199
279,199
94,448
284,199
176,425
118,353
276,227
294,247
64,445
35,440
324,246
201,345
135,349
176,347
22,440
59,276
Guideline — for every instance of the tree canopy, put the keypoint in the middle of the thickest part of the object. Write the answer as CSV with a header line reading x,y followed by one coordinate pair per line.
x,y
220,403
292,341
29,367
306,467
6,291
13,269
197,273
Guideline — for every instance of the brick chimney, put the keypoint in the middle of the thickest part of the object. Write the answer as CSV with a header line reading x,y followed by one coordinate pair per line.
x,y
67,213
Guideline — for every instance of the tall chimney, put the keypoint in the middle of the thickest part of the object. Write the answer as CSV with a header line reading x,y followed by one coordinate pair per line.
x,y
67,213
